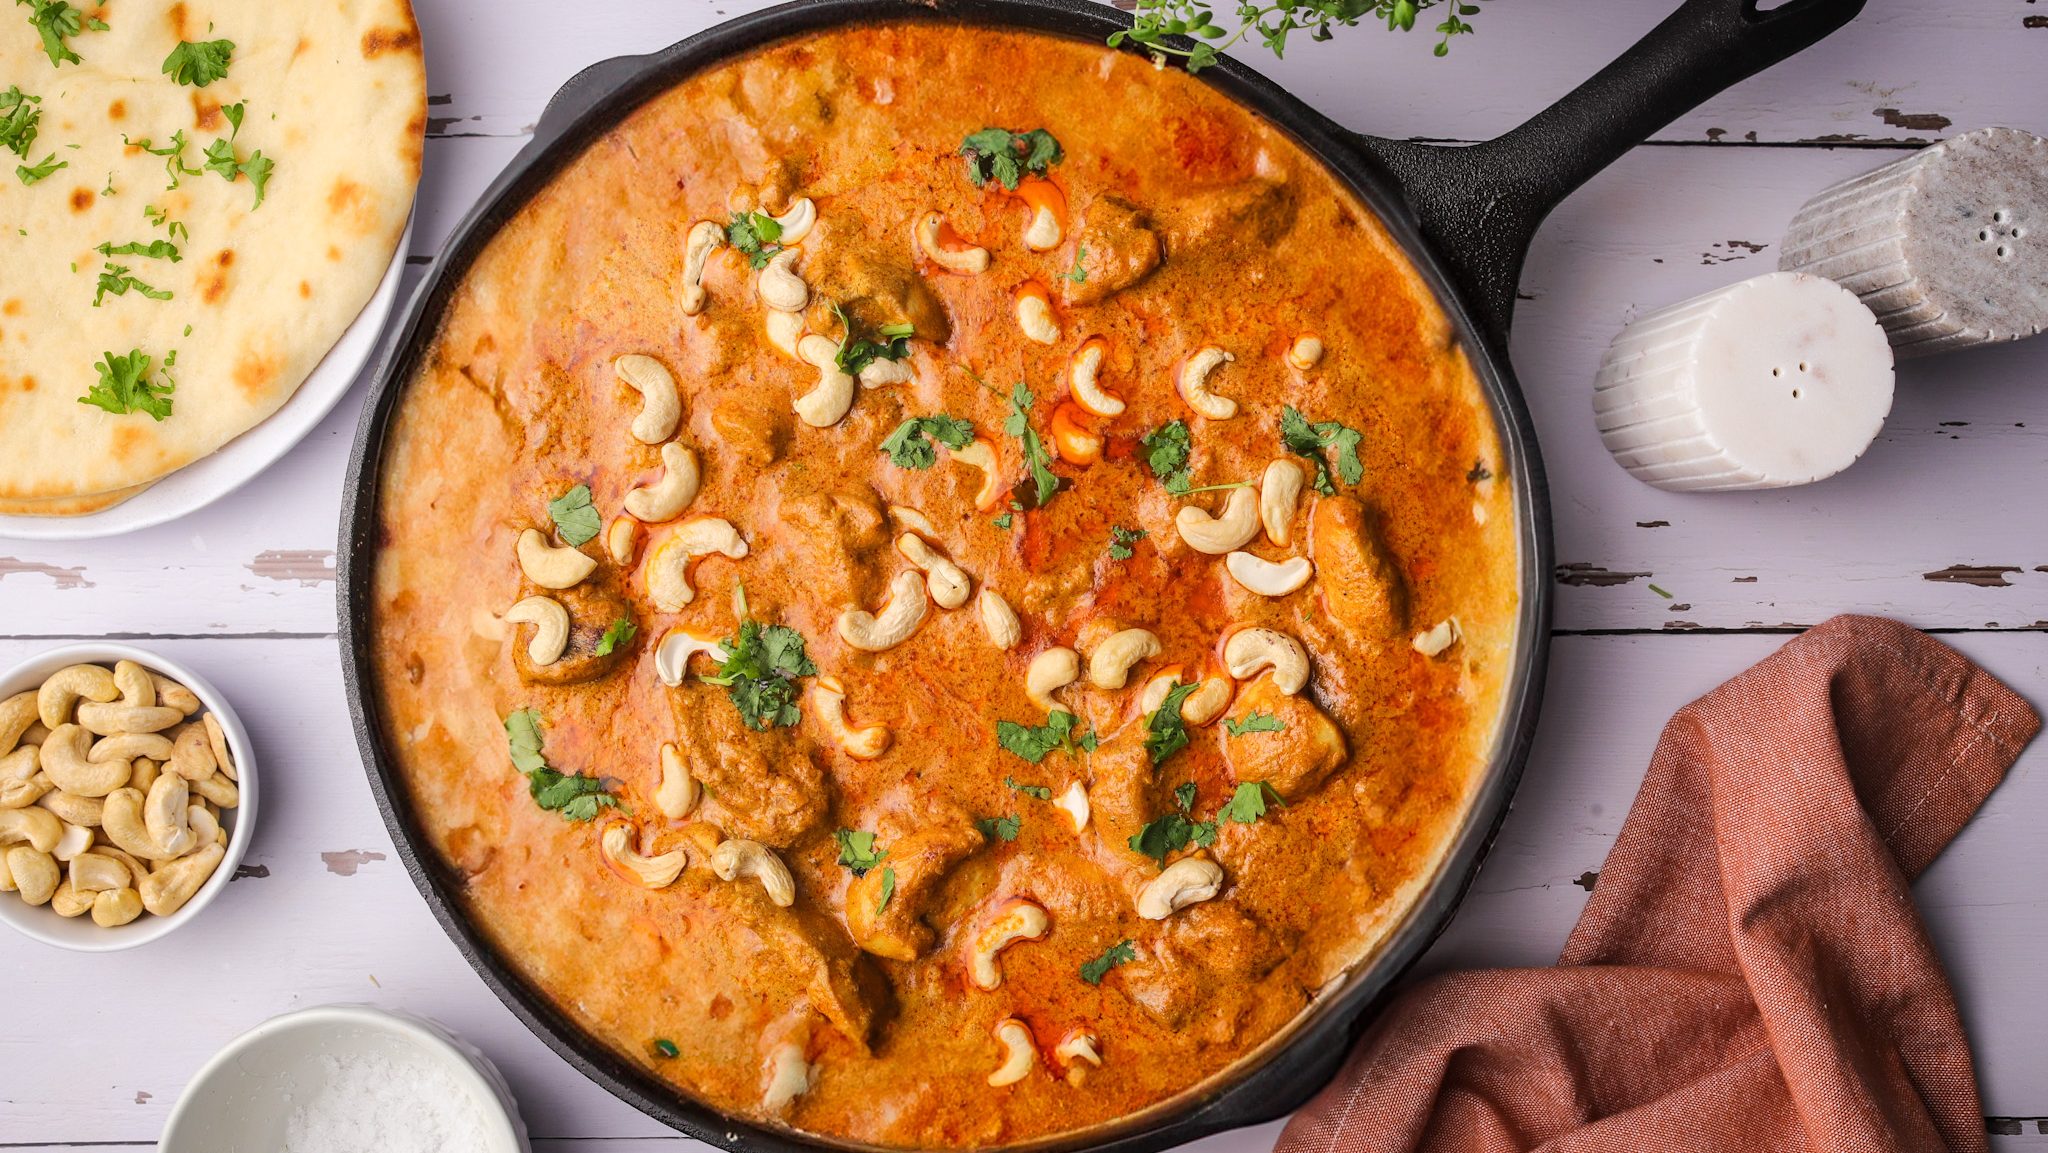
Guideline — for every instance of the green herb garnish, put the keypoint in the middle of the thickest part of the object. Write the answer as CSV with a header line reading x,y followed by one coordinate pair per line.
x,y
1257,722
1248,803
1000,828
56,21
577,797
910,446
666,1048
162,219
1120,953
760,671
1036,792
857,851
1165,732
125,385
888,889
30,173
574,516
857,351
1166,454
1079,275
1272,22
1018,424
199,64
619,632
1034,742
1003,156
1121,539
1309,440
1167,835
754,234
20,117
114,279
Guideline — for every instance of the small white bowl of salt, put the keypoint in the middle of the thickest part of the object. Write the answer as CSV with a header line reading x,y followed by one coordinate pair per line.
x,y
346,1079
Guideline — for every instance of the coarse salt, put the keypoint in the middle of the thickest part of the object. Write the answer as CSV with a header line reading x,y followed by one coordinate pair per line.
x,y
374,1103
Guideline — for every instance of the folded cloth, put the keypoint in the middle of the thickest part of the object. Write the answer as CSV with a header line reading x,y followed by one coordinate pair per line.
x,y
1750,973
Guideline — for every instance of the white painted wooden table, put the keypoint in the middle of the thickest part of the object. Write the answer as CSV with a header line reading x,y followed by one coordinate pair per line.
x,y
1942,525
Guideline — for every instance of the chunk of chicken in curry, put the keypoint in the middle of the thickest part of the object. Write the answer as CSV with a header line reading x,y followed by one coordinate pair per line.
x,y
975,735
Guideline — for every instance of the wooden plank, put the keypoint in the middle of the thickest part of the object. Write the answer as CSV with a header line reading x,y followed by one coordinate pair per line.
x,y
1871,83
327,913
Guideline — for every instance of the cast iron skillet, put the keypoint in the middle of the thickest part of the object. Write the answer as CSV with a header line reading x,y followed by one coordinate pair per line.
x,y
1465,217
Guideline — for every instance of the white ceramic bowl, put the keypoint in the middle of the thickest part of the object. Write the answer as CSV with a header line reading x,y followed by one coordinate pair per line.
x,y
243,1099
80,932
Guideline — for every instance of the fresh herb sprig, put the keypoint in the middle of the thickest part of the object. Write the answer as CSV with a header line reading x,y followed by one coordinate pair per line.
x,y
754,234
199,64
56,22
760,673
30,173
1035,742
1310,440
1121,953
1036,455
617,635
1273,23
126,384
910,446
21,115
857,851
1166,733
1000,828
1005,157
857,351
575,796
575,517
115,281
1121,539
1176,830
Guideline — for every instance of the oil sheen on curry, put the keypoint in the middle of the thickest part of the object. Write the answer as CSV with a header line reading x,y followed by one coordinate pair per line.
x,y
936,585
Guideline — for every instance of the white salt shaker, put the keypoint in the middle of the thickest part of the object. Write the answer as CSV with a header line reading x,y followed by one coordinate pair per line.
x,y
1780,380
1949,246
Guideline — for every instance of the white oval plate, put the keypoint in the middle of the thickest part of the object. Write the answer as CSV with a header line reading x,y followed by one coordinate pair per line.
x,y
237,462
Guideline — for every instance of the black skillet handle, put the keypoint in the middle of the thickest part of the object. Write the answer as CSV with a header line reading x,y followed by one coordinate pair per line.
x,y
583,91
1480,205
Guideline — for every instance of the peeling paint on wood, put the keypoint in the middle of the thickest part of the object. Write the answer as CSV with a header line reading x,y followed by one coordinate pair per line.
x,y
65,578
253,872
307,566
142,1096
347,861
1580,574
1982,576
1653,524
2034,22
1587,879
1748,580
1917,121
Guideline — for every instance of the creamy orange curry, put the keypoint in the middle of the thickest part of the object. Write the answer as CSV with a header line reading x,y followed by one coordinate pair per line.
x,y
938,584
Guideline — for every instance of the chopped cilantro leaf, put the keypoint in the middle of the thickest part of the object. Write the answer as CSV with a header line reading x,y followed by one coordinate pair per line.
x,y
199,64
1167,835
666,1047
1004,521
576,797
1121,539
161,218
1079,275
574,516
754,234
619,632
20,116
1033,742
1257,722
1165,732
56,21
1166,453
155,250
114,279
30,173
760,671
1184,796
1004,156
890,342
1018,424
1248,803
910,446
1000,828
888,888
857,851
522,733
1309,440
1036,792
173,154
1120,953
125,385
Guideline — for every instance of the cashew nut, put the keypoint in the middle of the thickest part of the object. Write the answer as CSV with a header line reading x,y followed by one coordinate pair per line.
x,y
127,746
949,584
551,567
75,839
60,693
205,826
217,740
677,793
661,406
116,907
829,400
899,618
668,574
137,690
17,714
672,655
666,498
622,537
20,782
170,692
882,372
741,860
929,232
1017,920
1077,1048
1250,652
217,789
34,873
1445,634
1050,671
191,754
142,773
796,222
1279,494
1074,802
166,890
1020,1053
1084,374
1217,535
1109,666
788,1077
616,844
67,901
785,331
828,704
71,808
550,623
39,827
1267,578
64,758
1198,708
705,236
1306,351
780,287
1035,315
1194,384
980,453
913,520
109,719
166,815
1043,233
999,619
96,872
1188,881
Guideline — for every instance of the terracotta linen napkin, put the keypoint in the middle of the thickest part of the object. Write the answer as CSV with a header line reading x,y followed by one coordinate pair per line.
x,y
1750,973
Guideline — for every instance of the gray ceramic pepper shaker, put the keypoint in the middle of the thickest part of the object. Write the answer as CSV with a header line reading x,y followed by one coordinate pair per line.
x,y
1949,246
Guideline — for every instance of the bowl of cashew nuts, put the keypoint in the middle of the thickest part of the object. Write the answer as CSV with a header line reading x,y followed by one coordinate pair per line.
x,y
126,796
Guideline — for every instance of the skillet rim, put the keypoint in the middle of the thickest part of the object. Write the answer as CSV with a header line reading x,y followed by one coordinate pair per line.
x,y
1274,1077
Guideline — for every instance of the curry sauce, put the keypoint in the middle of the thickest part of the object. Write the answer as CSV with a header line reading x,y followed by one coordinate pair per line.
x,y
920,798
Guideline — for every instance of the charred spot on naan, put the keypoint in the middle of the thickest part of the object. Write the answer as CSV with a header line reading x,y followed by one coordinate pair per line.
x,y
82,198
206,112
213,283
378,41
256,370
176,17
117,110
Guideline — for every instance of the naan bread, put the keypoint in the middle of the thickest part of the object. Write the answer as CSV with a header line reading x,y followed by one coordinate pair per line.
x,y
335,97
